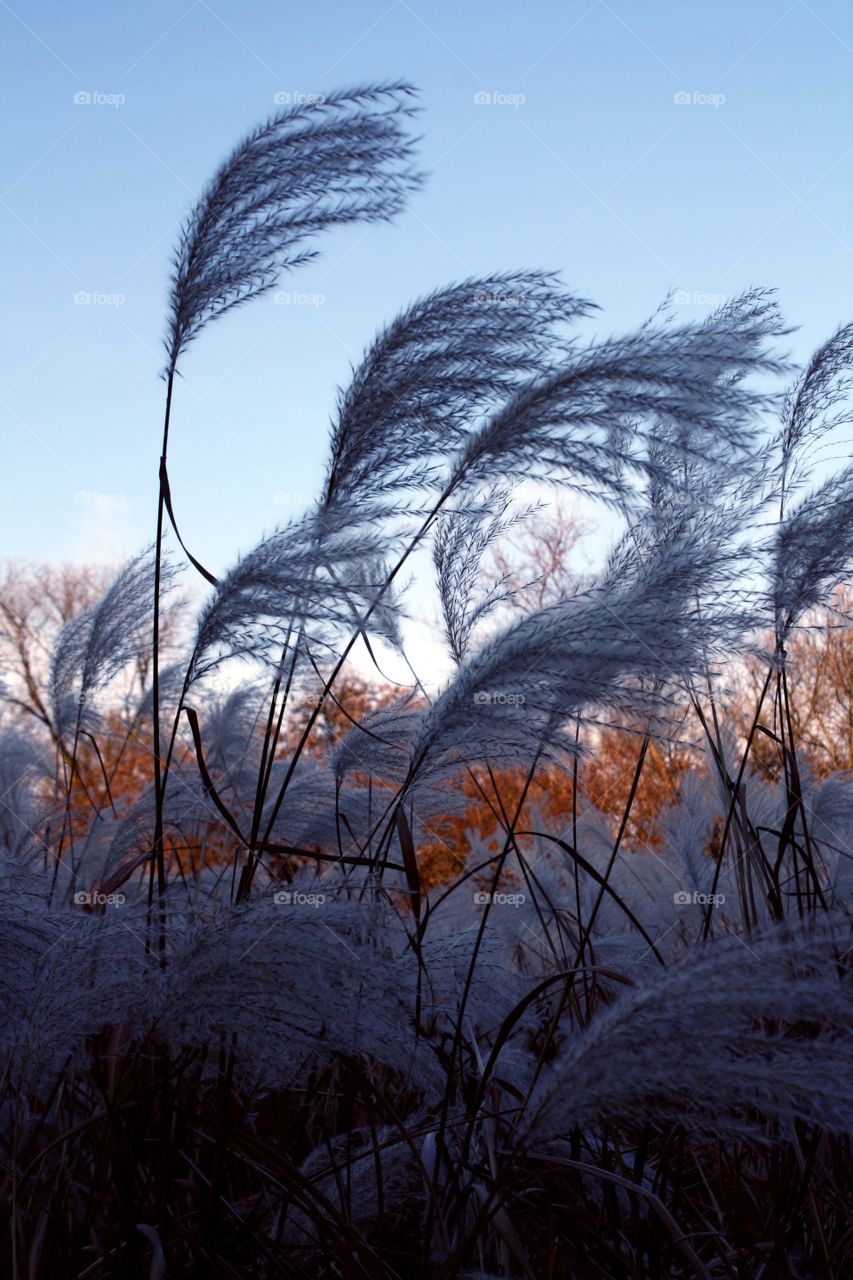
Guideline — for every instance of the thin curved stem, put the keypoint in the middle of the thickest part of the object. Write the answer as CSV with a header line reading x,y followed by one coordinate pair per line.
x,y
159,859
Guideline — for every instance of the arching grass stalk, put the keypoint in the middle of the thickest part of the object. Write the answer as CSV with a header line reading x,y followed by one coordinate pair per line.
x,y
340,158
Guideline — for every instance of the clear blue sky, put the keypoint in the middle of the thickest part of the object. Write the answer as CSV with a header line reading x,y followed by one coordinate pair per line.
x,y
598,172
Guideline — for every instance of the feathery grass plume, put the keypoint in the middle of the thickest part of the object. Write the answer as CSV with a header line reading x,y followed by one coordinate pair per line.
x,y
372,1176
170,692
830,808
351,819
124,842
674,367
551,897
818,402
812,550
371,578
28,931
686,829
299,982
67,977
93,648
449,944
231,721
380,746
511,699
429,374
429,1052
318,815
307,575
338,159
691,484
119,857
732,1026
421,385
22,769
461,538
705,536
588,422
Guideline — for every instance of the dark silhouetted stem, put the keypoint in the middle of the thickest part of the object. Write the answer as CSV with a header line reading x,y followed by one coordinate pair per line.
x,y
158,850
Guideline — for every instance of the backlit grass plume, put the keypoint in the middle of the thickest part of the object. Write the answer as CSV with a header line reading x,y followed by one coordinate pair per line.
x,y
337,159
536,964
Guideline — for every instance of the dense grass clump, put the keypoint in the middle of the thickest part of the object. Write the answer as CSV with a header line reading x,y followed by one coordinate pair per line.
x,y
244,1034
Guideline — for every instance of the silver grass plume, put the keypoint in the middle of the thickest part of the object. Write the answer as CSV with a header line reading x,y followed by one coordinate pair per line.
x,y
831,825
812,550
66,976
341,159
762,1023
357,1170
23,768
93,648
818,402
419,388
298,987
308,575
427,376
511,698
588,423
461,539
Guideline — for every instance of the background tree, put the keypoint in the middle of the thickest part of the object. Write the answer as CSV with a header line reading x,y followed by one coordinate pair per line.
x,y
36,601
536,560
819,657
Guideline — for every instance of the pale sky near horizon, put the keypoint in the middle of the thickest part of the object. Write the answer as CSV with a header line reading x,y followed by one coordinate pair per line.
x,y
636,148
